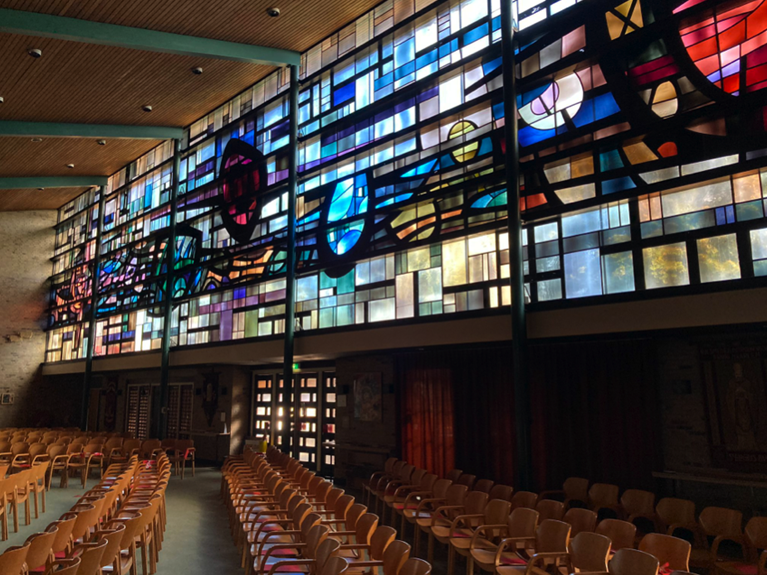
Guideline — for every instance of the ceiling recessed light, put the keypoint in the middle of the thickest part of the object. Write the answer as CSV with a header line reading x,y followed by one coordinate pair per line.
x,y
197,71
273,12
2,100
41,189
146,108
37,140
35,52
101,142
70,166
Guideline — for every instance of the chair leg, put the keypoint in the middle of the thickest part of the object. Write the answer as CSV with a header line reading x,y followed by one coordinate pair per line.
x,y
193,466
15,517
450,558
402,528
183,468
430,554
27,511
37,515
469,565
416,539
43,496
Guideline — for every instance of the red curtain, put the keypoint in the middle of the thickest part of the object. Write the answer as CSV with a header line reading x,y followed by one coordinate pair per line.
x,y
426,413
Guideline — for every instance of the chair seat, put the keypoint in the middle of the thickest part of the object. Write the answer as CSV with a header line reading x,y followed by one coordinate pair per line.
x,y
461,538
486,556
400,506
700,557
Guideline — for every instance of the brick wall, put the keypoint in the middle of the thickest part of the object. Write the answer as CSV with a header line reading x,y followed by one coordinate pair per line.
x,y
26,245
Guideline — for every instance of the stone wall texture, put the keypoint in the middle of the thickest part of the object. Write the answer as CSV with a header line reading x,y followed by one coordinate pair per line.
x,y
26,246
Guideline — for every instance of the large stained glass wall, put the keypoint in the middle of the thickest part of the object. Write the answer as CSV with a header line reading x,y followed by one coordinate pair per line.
x,y
644,171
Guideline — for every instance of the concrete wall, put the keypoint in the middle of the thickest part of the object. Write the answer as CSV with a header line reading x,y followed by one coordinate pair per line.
x,y
26,245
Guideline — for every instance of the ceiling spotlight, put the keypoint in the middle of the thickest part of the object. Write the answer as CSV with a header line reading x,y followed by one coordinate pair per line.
x,y
36,140
146,108
2,100
70,166
101,142
41,189
273,12
35,52
197,71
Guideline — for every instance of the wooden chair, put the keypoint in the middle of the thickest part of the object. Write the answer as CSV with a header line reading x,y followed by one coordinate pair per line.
x,y
574,492
753,542
526,499
672,514
40,553
453,475
89,555
499,491
468,480
184,452
670,551
410,509
455,496
7,486
443,522
492,521
20,494
127,554
37,477
633,562
484,485
68,567
422,485
113,534
550,509
395,556
588,552
371,485
390,484
20,456
714,523
13,560
550,537
603,497
581,520
59,456
62,543
622,534
520,527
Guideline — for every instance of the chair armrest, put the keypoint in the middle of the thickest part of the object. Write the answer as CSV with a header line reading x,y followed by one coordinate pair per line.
x,y
403,488
735,538
479,530
287,562
504,544
462,518
438,513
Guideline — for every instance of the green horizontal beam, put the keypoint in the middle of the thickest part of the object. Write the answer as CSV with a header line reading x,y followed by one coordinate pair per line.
x,y
52,182
76,30
55,130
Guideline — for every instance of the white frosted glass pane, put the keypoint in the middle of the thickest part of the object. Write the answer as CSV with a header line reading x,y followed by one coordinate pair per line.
x,y
708,165
576,193
482,244
425,32
405,296
450,93
700,198
759,244
306,288
418,260
581,223
618,272
382,310
718,259
454,263
430,285
583,275
546,232
549,290
666,266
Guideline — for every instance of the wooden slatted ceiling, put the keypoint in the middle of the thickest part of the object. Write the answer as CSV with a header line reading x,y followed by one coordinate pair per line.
x,y
82,83
34,199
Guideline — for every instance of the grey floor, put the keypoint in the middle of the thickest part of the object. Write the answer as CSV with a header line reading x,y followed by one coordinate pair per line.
x,y
197,538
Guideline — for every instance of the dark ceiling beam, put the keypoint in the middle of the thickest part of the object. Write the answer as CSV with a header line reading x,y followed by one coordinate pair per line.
x,y
76,30
58,130
52,182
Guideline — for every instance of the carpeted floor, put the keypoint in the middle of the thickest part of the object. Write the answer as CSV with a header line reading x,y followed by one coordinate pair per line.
x,y
197,538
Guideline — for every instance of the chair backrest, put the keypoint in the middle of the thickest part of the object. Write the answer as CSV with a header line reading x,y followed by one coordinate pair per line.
x,y
633,562
668,549
325,551
389,464
20,448
427,482
500,491
496,513
638,502
756,533
715,521
621,533
64,528
484,485
552,536
150,445
467,480
603,495
40,546
671,510
440,488
415,566
475,503
456,494
90,558
366,526
395,556
353,515
453,475
382,537
417,475
524,499
169,443
113,537
129,445
113,443
37,449
576,489
581,520
589,551
550,509
522,522
5,446
185,444
87,517
13,559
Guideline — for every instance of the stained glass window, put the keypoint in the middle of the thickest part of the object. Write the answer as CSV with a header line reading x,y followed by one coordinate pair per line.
x,y
643,169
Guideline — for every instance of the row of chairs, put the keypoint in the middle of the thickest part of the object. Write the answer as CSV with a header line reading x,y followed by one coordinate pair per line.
x,y
105,529
285,518
505,532
19,488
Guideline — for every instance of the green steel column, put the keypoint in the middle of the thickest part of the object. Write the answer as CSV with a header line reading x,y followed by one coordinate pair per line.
x,y
96,267
160,415
290,271
522,455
